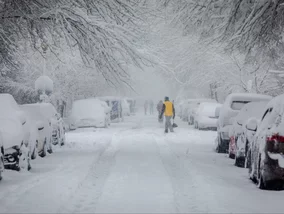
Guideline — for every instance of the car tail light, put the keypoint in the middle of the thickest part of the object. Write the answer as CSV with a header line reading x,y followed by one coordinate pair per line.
x,y
275,143
276,137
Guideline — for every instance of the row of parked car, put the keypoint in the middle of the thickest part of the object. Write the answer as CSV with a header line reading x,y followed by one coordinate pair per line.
x,y
26,132
250,128
199,112
99,112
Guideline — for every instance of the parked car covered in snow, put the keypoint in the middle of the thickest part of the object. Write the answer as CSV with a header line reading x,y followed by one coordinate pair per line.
x,y
265,156
43,124
230,109
88,113
183,109
237,130
116,107
205,117
56,124
13,136
10,111
193,106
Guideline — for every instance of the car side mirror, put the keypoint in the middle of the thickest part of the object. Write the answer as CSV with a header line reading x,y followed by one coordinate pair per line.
x,y
22,118
40,125
252,125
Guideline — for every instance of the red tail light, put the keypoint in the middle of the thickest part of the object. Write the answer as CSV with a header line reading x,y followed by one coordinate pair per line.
x,y
277,138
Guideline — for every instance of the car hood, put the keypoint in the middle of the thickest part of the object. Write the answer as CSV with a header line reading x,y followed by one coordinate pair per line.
x,y
11,131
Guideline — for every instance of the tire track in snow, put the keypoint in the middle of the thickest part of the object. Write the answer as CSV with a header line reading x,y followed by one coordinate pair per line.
x,y
89,191
192,191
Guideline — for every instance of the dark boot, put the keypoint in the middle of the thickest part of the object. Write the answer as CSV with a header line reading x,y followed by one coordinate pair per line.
x,y
166,131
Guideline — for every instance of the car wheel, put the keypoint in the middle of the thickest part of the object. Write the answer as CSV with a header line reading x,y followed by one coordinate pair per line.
x,y
250,163
35,152
29,163
247,163
62,142
44,150
239,162
49,150
1,167
232,156
218,144
220,147
260,179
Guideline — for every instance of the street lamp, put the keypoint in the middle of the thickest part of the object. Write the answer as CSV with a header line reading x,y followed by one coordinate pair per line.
x,y
44,87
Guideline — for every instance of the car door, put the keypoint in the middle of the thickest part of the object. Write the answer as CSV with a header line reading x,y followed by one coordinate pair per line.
x,y
260,136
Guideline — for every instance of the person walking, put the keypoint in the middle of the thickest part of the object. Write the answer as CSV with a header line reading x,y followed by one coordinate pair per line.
x,y
169,111
146,106
159,109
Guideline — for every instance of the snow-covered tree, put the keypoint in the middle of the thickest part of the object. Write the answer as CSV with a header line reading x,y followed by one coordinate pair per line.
x,y
104,32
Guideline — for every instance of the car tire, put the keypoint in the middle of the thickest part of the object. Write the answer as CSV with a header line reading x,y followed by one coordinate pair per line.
x,y
261,184
249,165
1,167
35,152
260,179
29,163
231,156
44,150
62,142
50,150
220,148
239,162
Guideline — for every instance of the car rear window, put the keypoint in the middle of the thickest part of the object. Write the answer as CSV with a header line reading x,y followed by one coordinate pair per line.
x,y
238,105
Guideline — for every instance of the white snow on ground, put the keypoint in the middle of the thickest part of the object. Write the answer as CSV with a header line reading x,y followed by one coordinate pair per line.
x,y
134,167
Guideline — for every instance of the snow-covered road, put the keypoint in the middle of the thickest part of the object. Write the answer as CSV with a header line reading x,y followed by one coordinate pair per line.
x,y
134,167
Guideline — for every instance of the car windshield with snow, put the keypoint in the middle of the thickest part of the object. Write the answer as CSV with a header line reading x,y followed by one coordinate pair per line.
x,y
88,113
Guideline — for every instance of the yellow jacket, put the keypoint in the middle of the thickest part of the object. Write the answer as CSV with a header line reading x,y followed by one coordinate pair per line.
x,y
168,109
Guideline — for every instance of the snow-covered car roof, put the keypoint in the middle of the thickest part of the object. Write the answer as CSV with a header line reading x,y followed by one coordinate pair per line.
x,y
33,111
208,109
7,102
110,98
250,97
189,101
47,109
